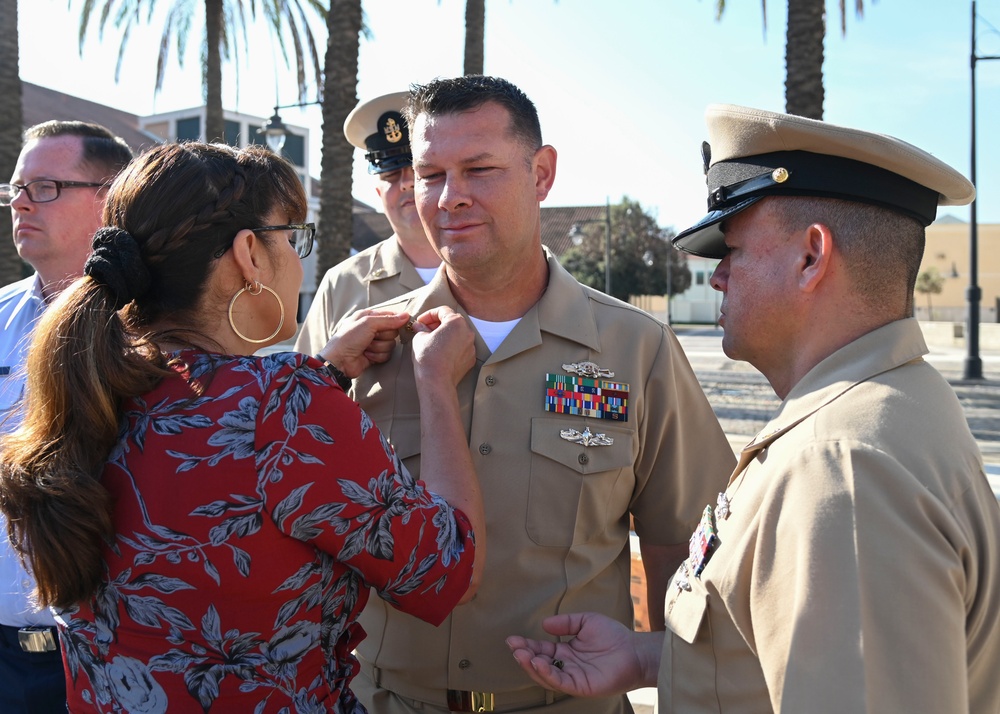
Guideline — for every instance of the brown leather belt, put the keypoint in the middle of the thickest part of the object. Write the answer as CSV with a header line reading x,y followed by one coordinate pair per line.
x,y
459,700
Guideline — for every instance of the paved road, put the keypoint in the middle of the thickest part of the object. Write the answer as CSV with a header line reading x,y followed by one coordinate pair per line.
x,y
744,402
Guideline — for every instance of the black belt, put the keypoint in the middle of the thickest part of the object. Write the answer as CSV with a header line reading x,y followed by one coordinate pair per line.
x,y
458,700
38,638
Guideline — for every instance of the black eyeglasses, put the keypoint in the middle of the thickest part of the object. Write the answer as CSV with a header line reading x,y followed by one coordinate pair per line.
x,y
301,237
41,191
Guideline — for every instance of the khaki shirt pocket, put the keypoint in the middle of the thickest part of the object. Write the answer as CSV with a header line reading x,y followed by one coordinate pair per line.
x,y
685,610
575,490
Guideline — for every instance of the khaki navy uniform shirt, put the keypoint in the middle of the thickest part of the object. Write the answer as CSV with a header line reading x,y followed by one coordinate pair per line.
x,y
557,511
857,570
374,275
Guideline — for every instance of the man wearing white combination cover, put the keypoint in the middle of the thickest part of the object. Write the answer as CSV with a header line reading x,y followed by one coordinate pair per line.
x,y
853,562
404,261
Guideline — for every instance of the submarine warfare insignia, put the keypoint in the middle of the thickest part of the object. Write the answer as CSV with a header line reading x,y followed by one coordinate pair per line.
x,y
722,506
588,369
586,437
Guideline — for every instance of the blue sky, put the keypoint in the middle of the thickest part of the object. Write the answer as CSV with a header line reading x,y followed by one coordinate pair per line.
x,y
621,87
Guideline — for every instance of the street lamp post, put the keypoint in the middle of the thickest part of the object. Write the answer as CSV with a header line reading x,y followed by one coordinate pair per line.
x,y
973,362
576,235
275,131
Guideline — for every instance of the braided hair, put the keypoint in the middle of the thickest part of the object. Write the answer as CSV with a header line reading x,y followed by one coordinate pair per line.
x,y
167,217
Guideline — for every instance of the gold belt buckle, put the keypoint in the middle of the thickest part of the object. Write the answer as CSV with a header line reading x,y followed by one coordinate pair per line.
x,y
37,639
460,700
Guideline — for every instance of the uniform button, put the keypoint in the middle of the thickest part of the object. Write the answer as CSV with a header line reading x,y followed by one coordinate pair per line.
x,y
484,449
583,459
490,380
464,664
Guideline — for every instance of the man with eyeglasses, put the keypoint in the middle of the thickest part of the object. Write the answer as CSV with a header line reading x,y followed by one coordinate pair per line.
x,y
401,263
56,197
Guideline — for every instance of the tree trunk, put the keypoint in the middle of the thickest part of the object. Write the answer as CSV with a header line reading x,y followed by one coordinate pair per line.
x,y
214,123
340,95
804,58
11,129
475,25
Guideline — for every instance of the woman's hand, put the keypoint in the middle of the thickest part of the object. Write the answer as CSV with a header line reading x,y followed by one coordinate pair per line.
x,y
363,338
443,346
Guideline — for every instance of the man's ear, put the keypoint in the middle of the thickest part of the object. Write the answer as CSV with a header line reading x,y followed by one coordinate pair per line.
x,y
544,166
816,257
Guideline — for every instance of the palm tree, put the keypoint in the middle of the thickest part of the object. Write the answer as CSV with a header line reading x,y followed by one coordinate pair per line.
x,y
804,51
223,20
475,28
929,282
340,95
11,124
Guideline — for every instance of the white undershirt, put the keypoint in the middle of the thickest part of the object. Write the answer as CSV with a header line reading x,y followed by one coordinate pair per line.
x,y
426,273
493,333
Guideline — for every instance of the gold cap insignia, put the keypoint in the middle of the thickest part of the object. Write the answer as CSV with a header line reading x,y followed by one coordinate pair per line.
x,y
393,132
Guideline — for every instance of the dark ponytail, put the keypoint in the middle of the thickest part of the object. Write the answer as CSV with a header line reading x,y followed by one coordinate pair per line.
x,y
168,216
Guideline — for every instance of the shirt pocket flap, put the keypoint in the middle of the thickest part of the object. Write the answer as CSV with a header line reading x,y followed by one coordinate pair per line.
x,y
685,611
546,440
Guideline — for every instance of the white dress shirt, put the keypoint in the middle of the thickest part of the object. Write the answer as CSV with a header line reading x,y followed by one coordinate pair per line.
x,y
21,304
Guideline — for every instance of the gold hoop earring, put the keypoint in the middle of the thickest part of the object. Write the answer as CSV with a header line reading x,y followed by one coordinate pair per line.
x,y
256,290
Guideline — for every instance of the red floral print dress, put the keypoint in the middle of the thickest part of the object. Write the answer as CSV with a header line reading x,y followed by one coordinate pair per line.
x,y
255,504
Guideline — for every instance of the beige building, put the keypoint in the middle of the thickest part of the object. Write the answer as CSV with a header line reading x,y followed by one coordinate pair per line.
x,y
947,251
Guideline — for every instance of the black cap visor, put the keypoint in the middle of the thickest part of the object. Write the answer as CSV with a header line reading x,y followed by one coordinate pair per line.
x,y
383,162
705,237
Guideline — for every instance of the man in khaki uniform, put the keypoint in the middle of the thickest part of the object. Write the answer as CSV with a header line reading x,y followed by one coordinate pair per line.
x,y
404,261
852,563
580,411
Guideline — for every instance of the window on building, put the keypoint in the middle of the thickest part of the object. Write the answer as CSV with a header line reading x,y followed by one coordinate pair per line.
x,y
189,128
295,145
295,149
699,278
232,132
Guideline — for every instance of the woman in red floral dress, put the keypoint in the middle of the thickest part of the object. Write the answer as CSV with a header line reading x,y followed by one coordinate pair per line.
x,y
207,522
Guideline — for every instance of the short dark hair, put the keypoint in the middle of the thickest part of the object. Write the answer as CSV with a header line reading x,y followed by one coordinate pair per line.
x,y
459,94
882,248
102,150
